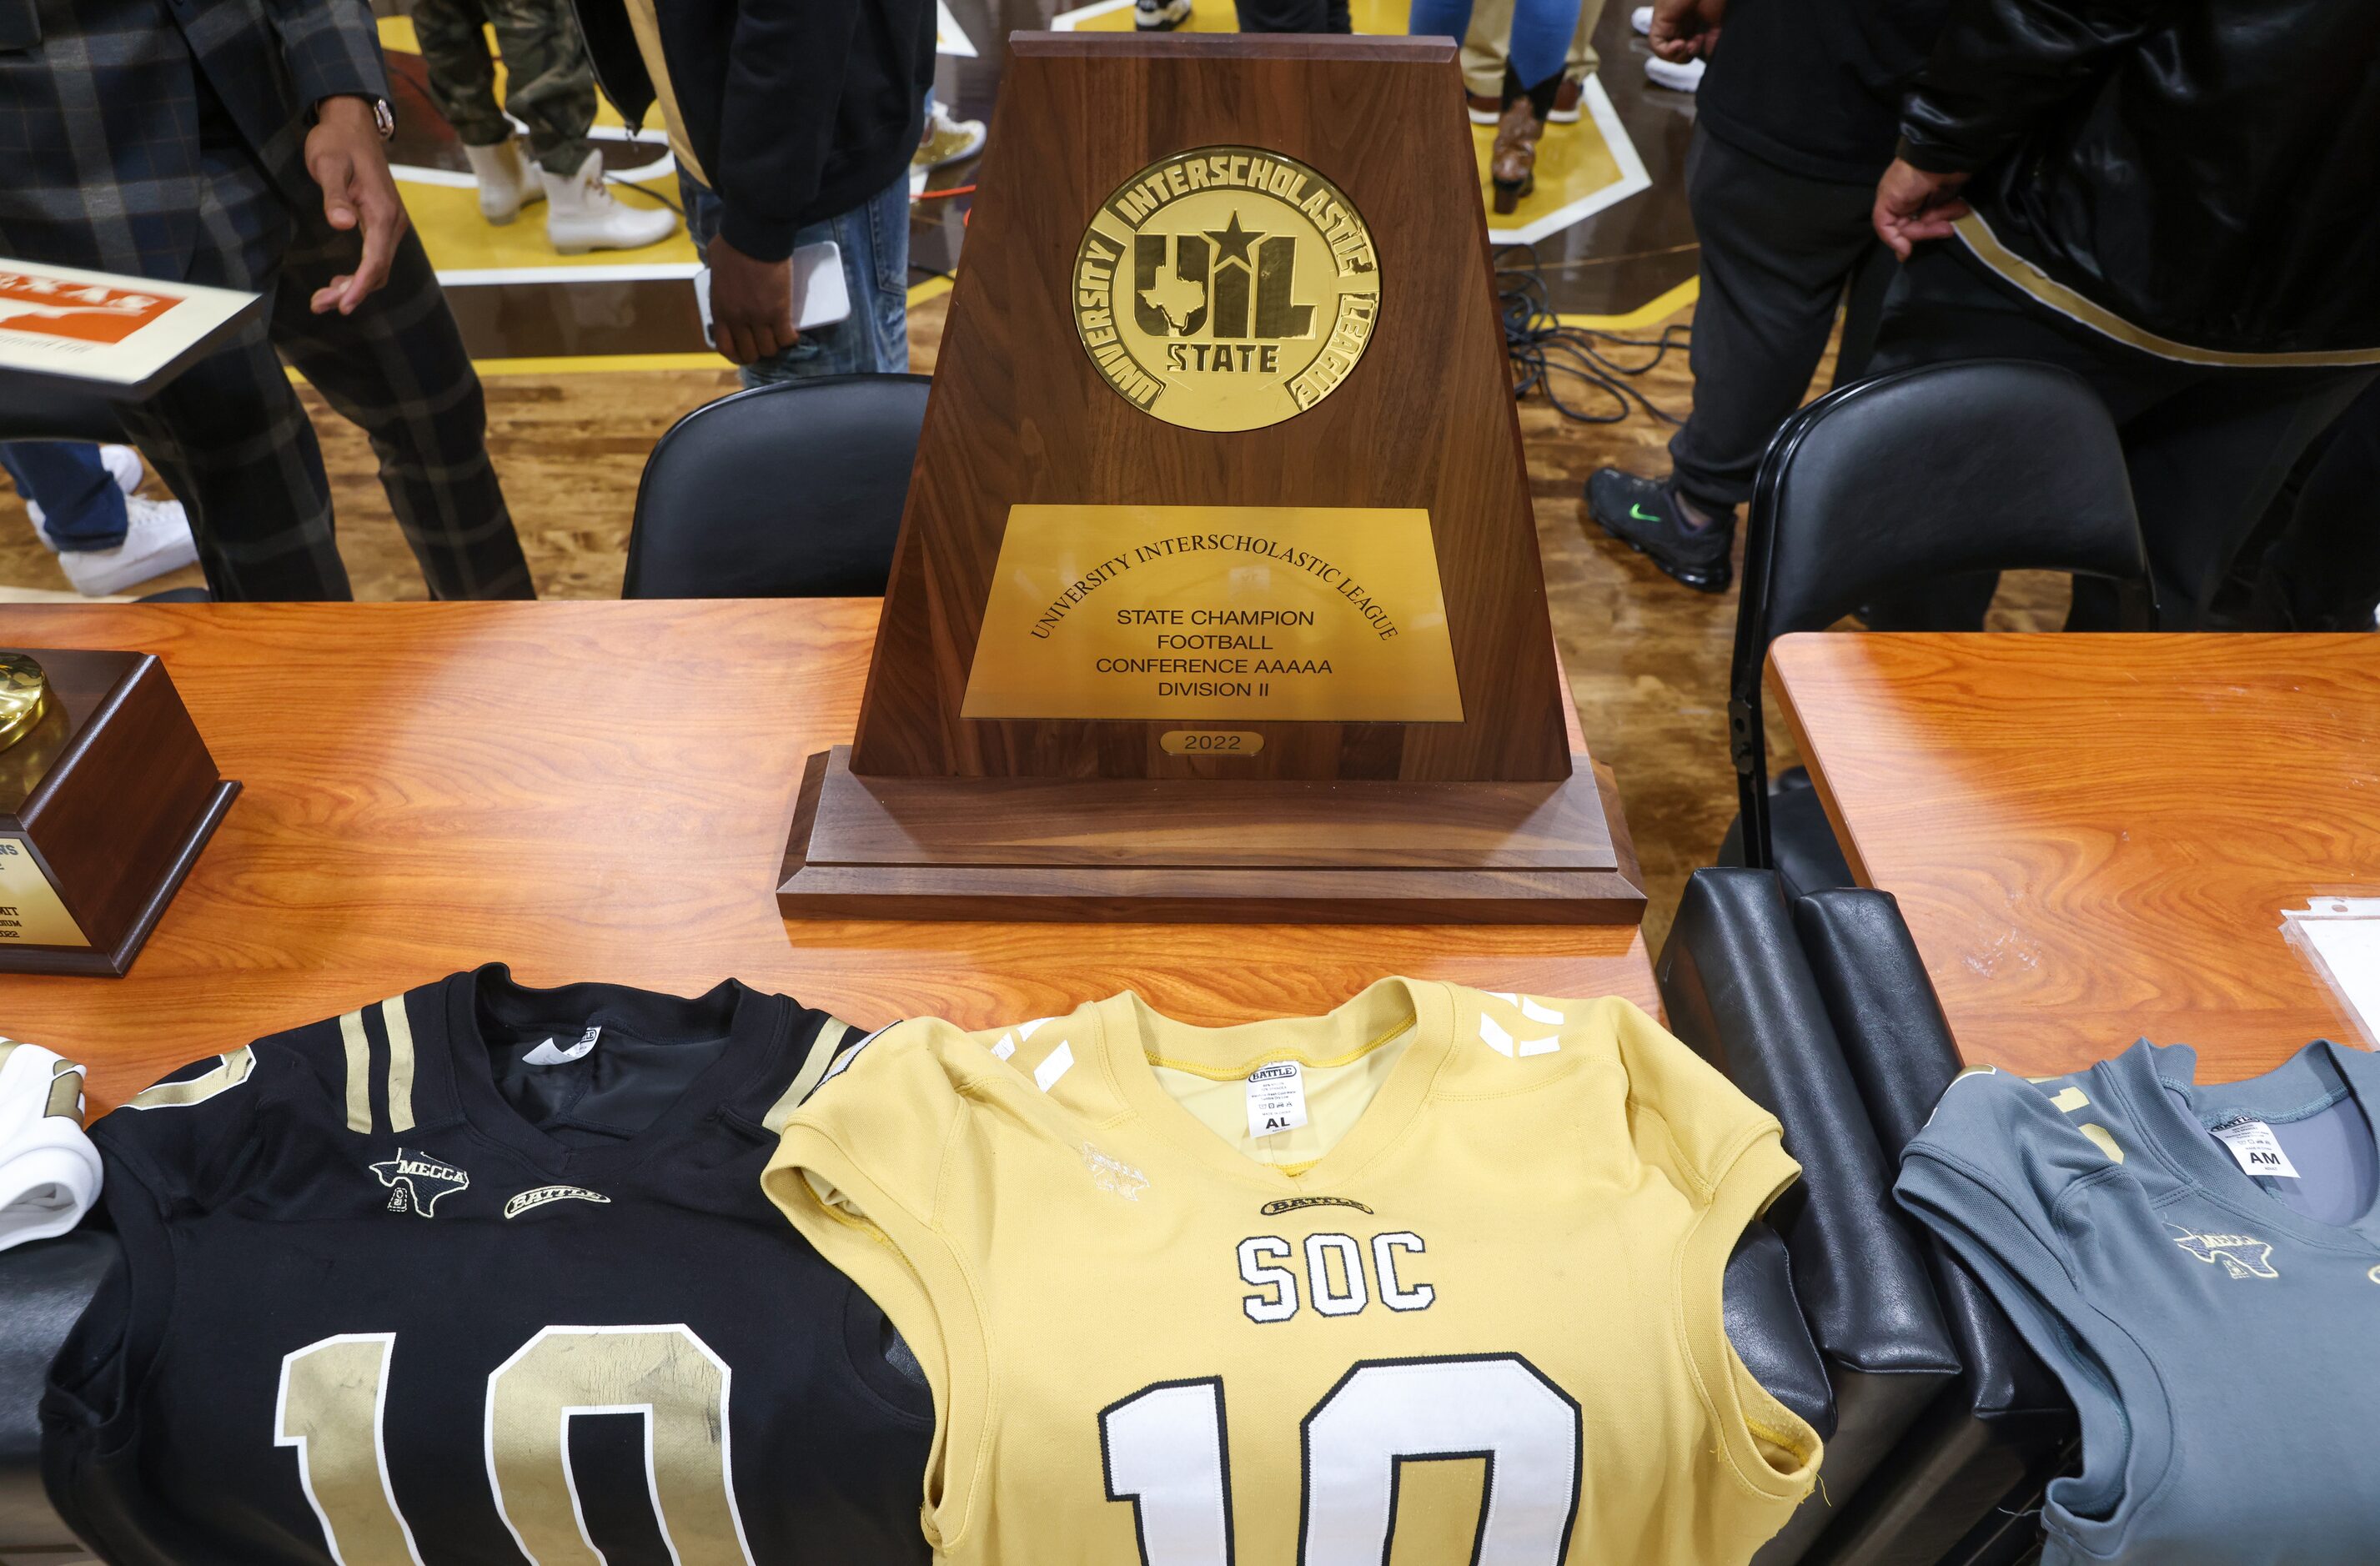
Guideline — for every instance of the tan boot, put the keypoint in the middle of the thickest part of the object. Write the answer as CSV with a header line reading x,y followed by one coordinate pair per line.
x,y
1513,164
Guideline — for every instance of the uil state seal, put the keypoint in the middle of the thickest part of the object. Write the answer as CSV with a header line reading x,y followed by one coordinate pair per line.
x,y
1226,289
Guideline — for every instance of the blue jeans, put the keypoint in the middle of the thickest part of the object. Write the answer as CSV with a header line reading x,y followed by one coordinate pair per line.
x,y
875,240
81,507
1541,33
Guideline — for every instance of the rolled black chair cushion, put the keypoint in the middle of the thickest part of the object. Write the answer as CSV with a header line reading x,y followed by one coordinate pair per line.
x,y
43,1288
1738,991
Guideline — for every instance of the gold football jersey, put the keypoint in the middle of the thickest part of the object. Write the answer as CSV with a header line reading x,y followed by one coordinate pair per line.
x,y
1432,1279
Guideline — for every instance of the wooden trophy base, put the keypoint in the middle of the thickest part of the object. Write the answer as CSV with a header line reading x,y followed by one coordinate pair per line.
x,y
1200,850
105,805
116,961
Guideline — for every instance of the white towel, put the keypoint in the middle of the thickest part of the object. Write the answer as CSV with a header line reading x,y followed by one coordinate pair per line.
x,y
49,1170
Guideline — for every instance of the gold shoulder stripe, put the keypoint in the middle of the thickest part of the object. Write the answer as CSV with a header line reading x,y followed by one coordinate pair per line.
x,y
66,1092
359,1051
229,1072
831,1035
400,1063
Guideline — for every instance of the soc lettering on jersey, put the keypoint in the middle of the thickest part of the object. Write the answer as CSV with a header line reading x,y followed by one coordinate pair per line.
x,y
1463,1304
428,1283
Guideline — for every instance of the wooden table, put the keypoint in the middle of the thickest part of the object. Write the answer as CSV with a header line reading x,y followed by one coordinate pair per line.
x,y
2094,837
601,791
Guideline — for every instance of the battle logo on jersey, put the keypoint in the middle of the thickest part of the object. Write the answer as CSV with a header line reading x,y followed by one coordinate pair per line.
x,y
530,1200
1226,289
416,1184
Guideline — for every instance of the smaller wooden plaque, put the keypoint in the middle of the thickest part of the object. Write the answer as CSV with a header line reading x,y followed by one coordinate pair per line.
x,y
105,805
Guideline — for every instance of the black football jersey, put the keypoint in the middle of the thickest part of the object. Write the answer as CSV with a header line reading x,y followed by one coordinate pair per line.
x,y
483,1274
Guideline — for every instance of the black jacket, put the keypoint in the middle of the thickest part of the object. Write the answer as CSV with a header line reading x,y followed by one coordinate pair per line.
x,y
2207,170
798,110
1814,86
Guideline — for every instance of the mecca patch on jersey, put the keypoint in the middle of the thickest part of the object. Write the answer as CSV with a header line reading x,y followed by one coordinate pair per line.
x,y
1433,1278
2200,1265
481,1273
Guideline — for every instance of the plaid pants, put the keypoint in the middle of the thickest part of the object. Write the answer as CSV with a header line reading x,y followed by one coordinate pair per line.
x,y
231,438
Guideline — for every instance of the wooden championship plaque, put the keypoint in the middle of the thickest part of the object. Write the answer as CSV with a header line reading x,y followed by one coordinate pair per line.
x,y
1217,593
108,793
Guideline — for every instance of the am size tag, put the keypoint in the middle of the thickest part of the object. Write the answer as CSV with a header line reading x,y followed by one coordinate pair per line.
x,y
2258,1151
547,1054
1276,1099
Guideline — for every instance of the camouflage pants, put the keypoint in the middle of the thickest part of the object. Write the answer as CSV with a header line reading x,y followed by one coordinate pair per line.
x,y
550,87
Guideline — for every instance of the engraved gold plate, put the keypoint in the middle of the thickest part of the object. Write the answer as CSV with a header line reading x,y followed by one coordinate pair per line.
x,y
1226,289
30,913
1237,613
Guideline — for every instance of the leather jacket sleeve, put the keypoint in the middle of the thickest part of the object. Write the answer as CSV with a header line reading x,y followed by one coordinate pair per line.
x,y
2000,64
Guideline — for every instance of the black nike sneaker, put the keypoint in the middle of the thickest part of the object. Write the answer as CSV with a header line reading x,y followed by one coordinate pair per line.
x,y
1644,514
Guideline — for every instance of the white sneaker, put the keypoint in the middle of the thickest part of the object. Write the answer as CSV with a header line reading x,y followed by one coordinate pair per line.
x,y
156,540
1641,18
1159,16
947,140
1677,79
581,215
123,465
504,185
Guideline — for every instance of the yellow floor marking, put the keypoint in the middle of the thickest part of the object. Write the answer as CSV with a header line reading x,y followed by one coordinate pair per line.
x,y
1668,305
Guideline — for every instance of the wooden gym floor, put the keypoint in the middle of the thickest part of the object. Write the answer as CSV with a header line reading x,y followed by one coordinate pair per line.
x,y
1647,659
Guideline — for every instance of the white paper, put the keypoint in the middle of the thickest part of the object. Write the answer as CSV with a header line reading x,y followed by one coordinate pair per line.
x,y
2346,948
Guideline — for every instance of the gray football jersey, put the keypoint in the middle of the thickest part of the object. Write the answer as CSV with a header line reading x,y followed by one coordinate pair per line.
x,y
2218,1332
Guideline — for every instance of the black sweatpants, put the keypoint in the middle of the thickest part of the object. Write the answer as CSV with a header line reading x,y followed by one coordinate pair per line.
x,y
2208,447
1293,16
1779,251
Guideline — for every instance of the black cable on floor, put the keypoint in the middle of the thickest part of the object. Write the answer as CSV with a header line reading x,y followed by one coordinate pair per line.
x,y
1542,348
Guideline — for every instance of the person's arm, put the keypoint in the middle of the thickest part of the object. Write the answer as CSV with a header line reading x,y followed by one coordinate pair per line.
x,y
333,51
775,130
2000,65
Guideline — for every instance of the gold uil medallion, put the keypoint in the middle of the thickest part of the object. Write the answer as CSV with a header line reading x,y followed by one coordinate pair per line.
x,y
1226,289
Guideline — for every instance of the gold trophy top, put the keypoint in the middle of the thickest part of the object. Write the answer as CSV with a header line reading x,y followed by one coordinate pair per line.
x,y
23,692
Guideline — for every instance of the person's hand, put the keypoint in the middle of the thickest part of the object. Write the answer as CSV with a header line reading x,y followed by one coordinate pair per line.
x,y
751,304
344,155
1912,205
1684,29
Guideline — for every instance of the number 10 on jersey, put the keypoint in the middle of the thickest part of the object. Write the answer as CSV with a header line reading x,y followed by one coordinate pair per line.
x,y
1166,1452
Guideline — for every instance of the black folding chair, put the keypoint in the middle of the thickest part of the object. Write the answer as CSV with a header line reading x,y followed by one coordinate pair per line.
x,y
790,490
1990,464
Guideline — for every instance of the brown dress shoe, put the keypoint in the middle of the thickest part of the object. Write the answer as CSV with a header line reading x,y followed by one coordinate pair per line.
x,y
1512,166
1485,108
1565,109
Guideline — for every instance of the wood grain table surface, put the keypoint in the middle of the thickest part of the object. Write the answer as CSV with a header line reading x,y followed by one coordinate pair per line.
x,y
601,791
2094,837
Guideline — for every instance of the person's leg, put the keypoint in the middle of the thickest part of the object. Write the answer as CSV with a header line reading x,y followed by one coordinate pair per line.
x,y
81,508
461,73
2207,462
1428,19
398,369
1487,44
874,239
548,82
1776,249
1541,41
228,436
2323,573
